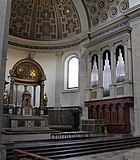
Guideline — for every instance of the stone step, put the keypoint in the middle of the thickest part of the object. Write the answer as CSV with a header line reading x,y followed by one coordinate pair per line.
x,y
33,130
62,149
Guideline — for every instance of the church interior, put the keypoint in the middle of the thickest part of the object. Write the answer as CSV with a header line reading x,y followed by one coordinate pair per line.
x,y
69,77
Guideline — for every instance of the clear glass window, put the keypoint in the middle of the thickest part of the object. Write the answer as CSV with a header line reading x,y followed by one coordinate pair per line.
x,y
73,72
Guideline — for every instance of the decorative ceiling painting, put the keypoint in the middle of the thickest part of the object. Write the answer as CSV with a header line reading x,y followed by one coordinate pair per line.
x,y
51,20
44,19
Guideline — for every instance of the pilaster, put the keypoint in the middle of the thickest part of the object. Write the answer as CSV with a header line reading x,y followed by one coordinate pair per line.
x,y
58,79
126,60
88,71
128,48
5,7
113,71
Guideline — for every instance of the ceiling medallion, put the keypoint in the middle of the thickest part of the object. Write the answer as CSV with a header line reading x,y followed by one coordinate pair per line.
x,y
95,21
110,1
101,4
104,16
93,9
113,12
123,6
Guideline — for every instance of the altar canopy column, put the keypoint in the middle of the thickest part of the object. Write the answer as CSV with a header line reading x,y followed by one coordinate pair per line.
x,y
11,91
58,79
42,95
34,98
5,7
16,94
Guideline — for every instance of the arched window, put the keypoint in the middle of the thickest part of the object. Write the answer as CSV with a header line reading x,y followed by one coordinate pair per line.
x,y
94,71
120,64
106,73
71,74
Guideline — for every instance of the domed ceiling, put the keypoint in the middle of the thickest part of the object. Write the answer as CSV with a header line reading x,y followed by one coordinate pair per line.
x,y
101,11
61,19
44,19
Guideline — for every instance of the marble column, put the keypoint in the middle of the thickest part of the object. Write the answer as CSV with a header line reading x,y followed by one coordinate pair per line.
x,y
42,95
5,6
16,102
34,98
11,91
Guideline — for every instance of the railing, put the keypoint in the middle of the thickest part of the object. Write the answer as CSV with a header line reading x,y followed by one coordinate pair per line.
x,y
72,135
20,154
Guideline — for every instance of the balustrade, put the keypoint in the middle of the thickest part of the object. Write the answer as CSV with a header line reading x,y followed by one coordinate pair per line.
x,y
72,135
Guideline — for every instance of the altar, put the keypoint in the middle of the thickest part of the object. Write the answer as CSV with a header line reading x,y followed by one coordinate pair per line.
x,y
20,109
27,121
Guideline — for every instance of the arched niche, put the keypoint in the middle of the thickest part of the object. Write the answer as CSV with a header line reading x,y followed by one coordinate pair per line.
x,y
27,72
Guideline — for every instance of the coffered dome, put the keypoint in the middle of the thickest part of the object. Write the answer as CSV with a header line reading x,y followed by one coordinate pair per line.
x,y
60,24
44,19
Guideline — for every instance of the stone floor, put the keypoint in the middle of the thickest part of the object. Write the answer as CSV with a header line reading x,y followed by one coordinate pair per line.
x,y
130,154
116,155
25,137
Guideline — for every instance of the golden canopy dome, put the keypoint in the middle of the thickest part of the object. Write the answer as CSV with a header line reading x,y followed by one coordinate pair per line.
x,y
27,71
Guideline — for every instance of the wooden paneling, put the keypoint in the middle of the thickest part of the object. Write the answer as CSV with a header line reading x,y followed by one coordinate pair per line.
x,y
115,112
